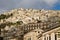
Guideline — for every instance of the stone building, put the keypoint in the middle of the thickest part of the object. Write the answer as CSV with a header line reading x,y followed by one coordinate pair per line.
x,y
51,33
33,35
34,31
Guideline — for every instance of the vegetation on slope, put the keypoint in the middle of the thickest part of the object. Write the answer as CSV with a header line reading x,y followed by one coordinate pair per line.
x,y
10,23
2,16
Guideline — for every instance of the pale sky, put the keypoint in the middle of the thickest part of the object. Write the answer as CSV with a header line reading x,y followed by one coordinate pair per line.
x,y
35,4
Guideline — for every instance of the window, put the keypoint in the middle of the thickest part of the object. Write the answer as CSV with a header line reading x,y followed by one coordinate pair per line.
x,y
55,37
38,32
58,36
49,37
29,38
45,38
1,38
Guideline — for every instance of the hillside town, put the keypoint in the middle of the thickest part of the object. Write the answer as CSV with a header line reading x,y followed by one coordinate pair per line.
x,y
30,24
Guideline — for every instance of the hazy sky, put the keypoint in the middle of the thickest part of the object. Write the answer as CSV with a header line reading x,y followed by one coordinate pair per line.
x,y
36,4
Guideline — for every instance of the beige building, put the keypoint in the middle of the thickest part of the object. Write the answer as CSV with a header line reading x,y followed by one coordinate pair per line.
x,y
33,35
52,33
36,31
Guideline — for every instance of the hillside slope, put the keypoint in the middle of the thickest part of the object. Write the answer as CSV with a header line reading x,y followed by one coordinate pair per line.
x,y
27,15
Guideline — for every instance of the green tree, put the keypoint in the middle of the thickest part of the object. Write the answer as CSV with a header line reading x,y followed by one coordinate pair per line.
x,y
19,22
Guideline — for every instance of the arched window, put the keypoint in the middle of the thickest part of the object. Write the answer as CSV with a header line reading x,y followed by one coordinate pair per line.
x,y
49,37
29,38
44,38
55,37
58,36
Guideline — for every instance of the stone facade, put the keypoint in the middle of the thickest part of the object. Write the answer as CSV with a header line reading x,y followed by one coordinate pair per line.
x,y
33,35
52,34
49,35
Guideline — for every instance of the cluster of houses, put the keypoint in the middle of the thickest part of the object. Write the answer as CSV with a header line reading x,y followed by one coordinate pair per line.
x,y
38,32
